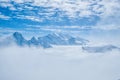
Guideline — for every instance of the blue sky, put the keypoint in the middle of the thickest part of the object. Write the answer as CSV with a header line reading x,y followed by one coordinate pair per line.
x,y
59,15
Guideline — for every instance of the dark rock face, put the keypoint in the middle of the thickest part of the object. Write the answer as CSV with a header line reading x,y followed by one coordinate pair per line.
x,y
19,39
33,41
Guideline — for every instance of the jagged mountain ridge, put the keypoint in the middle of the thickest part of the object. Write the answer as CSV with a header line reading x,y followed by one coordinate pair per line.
x,y
48,40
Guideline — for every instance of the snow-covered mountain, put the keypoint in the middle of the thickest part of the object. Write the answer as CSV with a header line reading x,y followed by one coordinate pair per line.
x,y
49,40
100,49
19,39
46,41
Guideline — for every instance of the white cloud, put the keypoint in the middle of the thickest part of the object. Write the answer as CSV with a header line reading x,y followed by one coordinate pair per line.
x,y
61,63
32,18
77,7
103,26
7,5
4,17
111,14
107,10
71,8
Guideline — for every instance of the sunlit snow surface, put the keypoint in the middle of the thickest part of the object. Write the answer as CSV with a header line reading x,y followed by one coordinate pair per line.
x,y
58,63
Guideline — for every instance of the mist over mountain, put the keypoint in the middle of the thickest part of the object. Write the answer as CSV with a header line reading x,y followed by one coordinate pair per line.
x,y
100,49
59,39
56,39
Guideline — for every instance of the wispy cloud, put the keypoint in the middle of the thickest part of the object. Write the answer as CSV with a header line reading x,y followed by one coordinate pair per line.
x,y
110,18
2,16
58,10
77,8
32,18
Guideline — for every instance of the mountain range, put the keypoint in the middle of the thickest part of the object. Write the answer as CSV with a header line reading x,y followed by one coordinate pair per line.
x,y
49,40
45,41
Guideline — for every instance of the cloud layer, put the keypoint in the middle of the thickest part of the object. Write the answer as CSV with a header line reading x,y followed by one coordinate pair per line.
x,y
61,63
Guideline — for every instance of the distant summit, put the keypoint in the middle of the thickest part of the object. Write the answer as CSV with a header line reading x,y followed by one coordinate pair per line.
x,y
100,49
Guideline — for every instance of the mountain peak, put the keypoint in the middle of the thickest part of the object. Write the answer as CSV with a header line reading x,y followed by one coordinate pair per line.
x,y
33,39
18,35
19,39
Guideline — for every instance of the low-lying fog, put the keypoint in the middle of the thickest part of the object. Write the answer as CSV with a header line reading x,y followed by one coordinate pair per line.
x,y
58,63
